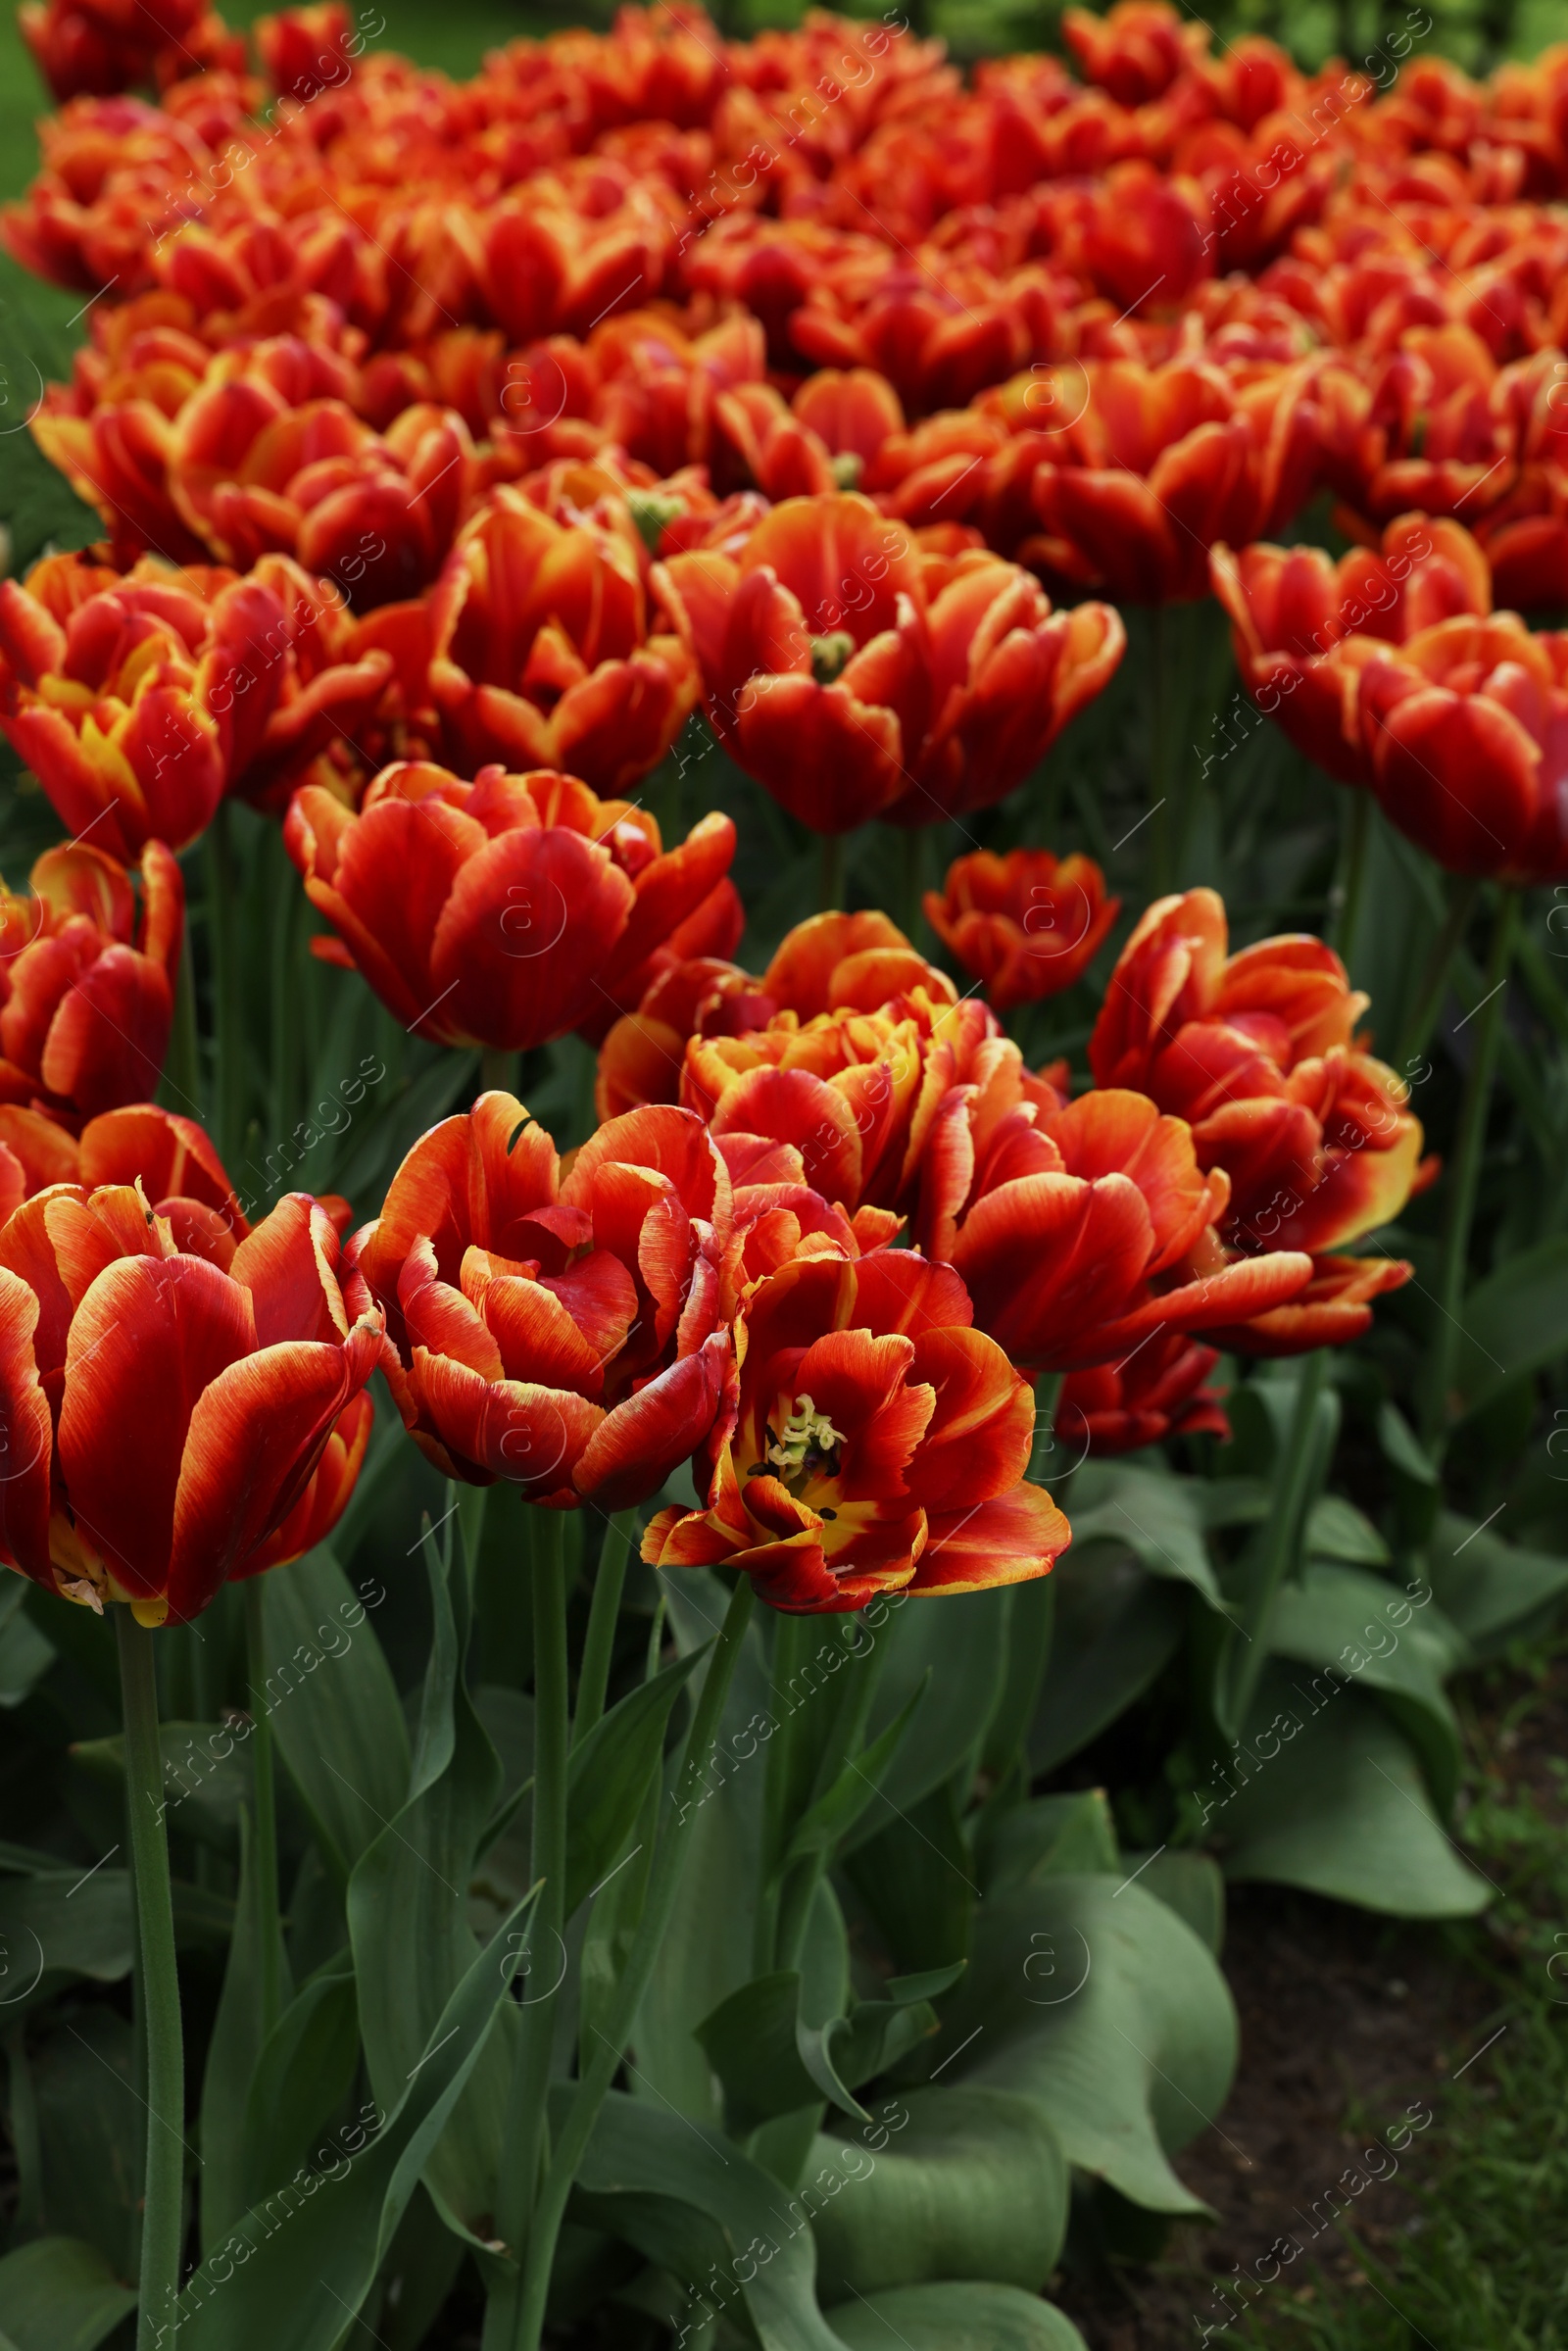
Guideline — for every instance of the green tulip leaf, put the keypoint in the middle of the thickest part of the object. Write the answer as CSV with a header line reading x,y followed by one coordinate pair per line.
x,y
970,2184
1093,1998
696,2206
239,2033
1341,1809
302,2075
1063,1836
333,1706
610,1773
1116,1629
58,2294
957,1651
1489,1587
1374,1634
954,2317
1157,1517
1512,1323
306,2259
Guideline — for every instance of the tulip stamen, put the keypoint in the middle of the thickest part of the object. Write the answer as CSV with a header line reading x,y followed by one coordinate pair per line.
x,y
808,1448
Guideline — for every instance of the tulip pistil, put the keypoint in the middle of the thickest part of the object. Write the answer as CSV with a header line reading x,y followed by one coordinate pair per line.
x,y
829,654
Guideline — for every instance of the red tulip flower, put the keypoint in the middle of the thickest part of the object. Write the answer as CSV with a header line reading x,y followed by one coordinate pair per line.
x,y
877,1443
87,980
1465,728
1144,468
170,1397
855,677
1026,925
1092,1230
506,911
1160,1390
1303,626
830,962
566,1334
544,651
813,654
138,701
1256,1051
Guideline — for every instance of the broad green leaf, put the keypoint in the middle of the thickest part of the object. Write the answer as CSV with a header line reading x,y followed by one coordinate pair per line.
x,y
832,1816
971,2184
418,2273
1048,1836
918,1880
333,1706
237,2036
307,2258
689,2202
1159,1517
752,2043
1193,1885
409,1915
1487,1586
25,1654
1093,1998
304,2073
610,1774
954,2317
1343,1810
91,2133
1116,1629
207,1777
707,1953
69,1922
1402,1447
1337,1529
1513,1323
962,1646
1027,1614
60,2294
1371,1632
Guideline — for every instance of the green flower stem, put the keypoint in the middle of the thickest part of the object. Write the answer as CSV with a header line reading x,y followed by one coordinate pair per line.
x,y
1286,1528
180,1089
1344,900
912,878
158,1985
653,1928
830,875
791,1636
1464,1176
222,939
263,1797
604,1614
498,1070
527,2122
1423,1015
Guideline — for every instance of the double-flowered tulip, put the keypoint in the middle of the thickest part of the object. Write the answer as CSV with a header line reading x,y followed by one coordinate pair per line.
x,y
876,1441
567,1332
1257,1052
508,910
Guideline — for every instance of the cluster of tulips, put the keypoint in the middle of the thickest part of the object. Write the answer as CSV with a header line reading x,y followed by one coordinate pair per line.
x,y
454,443
457,447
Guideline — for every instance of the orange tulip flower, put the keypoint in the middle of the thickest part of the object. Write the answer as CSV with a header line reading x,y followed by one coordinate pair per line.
x,y
877,1443
1026,925
566,1334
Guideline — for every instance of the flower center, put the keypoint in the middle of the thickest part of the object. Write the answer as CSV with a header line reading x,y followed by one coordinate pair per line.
x,y
829,654
807,1447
